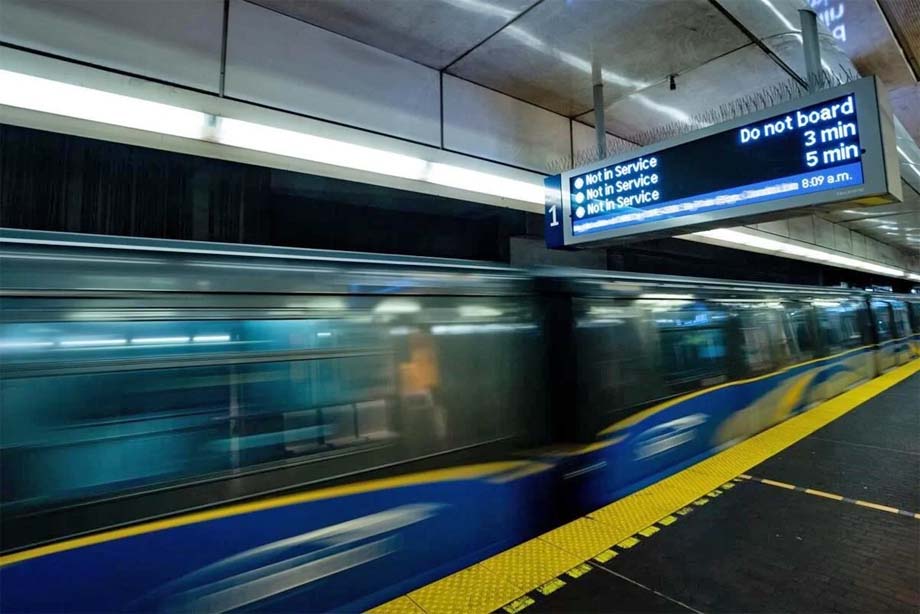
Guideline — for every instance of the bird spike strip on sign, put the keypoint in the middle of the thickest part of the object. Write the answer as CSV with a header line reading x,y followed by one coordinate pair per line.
x,y
782,91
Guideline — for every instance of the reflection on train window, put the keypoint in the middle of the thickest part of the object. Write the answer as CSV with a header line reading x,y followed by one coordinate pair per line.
x,y
101,433
94,408
882,314
692,344
614,341
802,336
901,322
914,316
839,324
755,335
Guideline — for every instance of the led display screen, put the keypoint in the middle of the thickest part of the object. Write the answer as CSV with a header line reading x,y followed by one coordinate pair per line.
x,y
801,152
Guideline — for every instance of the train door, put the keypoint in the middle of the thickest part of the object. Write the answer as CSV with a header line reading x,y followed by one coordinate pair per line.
x,y
884,352
913,311
902,331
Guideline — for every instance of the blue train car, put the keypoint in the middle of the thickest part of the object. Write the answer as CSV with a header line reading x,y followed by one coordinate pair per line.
x,y
192,427
203,427
657,373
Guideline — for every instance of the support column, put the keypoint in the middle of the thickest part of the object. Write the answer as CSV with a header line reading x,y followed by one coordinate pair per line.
x,y
600,128
811,48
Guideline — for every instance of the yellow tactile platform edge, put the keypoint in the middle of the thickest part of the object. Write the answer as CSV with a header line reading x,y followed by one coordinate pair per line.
x,y
494,582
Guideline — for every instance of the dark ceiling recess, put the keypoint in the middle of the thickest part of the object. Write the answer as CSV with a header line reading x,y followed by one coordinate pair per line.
x,y
695,259
52,181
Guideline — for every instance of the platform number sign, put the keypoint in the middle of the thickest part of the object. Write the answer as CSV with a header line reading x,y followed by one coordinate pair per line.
x,y
552,220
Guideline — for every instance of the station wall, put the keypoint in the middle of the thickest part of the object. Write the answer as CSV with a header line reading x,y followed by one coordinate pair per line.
x,y
283,63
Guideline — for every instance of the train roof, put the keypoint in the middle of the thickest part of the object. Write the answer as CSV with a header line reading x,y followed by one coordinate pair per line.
x,y
85,262
613,283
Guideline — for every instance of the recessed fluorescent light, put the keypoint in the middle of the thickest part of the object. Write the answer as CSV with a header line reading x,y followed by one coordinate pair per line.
x,y
48,96
397,305
92,342
485,183
727,235
157,340
249,135
17,345
676,297
210,338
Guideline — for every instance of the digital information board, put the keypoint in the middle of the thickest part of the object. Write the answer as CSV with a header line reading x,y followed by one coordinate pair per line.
x,y
824,148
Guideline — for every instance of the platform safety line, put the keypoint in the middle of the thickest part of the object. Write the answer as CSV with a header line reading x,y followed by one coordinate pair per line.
x,y
507,578
599,562
828,495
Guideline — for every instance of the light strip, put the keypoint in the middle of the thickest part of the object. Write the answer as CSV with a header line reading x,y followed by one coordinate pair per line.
x,y
676,297
28,92
210,338
92,342
735,237
248,135
157,340
17,345
47,96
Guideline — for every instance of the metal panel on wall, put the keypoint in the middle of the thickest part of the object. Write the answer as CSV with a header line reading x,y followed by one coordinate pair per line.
x,y
697,92
284,63
490,125
170,40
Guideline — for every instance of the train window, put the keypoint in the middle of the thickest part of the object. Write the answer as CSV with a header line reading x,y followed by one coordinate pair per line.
x,y
108,427
839,323
914,312
802,337
882,315
692,343
615,349
96,408
901,321
765,342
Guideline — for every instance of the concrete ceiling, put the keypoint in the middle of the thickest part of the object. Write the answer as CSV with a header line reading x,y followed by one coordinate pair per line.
x,y
542,52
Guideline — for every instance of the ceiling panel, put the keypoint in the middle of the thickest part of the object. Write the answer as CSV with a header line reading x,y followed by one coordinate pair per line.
x,y
546,56
765,18
698,91
863,213
896,224
904,16
788,47
905,102
863,33
431,32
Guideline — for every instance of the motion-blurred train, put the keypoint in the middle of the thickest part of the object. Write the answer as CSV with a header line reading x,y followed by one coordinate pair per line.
x,y
207,427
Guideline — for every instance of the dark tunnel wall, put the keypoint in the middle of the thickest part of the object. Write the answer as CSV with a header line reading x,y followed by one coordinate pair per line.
x,y
58,182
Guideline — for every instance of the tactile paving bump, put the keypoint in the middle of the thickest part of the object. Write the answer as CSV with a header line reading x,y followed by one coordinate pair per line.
x,y
474,589
531,564
400,605
585,538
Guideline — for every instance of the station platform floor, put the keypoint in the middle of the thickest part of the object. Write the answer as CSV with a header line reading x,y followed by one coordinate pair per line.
x,y
820,513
